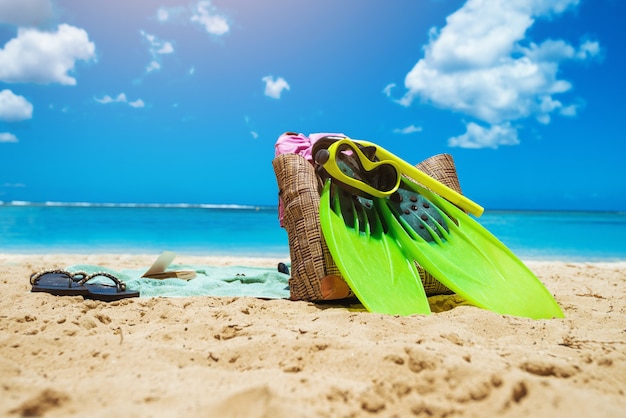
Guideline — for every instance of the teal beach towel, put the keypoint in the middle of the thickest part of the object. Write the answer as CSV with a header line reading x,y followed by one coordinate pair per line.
x,y
260,282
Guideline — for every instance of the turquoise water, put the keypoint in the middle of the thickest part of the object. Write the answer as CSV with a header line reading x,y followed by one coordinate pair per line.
x,y
254,231
191,230
575,236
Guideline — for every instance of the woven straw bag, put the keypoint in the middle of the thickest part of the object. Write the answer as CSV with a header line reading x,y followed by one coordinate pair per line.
x,y
314,274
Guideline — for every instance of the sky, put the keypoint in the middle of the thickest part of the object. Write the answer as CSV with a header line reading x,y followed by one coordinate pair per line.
x,y
168,101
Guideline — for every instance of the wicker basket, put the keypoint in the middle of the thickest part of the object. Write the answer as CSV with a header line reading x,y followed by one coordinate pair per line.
x,y
312,266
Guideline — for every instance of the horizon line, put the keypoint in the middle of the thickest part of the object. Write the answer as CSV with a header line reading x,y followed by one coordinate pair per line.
x,y
234,206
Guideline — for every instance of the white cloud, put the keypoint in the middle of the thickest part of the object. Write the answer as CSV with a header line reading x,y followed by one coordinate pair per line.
x,y
167,48
571,110
137,103
476,65
7,137
213,23
589,49
121,98
163,14
248,123
14,108
274,88
554,51
477,136
388,88
25,12
153,66
156,49
411,129
45,57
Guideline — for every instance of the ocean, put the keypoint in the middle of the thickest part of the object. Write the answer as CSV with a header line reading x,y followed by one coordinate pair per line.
x,y
250,231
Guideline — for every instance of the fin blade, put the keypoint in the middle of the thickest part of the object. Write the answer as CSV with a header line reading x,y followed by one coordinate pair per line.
x,y
373,265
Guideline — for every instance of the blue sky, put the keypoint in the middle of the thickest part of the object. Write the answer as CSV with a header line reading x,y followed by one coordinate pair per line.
x,y
167,101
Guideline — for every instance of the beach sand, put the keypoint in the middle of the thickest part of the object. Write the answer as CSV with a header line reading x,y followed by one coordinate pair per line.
x,y
247,357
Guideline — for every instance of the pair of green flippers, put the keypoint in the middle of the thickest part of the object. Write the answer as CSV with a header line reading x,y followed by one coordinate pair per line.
x,y
377,250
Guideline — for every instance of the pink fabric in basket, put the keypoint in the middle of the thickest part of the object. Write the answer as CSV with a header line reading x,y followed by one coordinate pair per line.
x,y
291,142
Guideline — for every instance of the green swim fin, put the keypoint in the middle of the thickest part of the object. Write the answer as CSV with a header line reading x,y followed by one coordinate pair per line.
x,y
468,259
370,261
446,242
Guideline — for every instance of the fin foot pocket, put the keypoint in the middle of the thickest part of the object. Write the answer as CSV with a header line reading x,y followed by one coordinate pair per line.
x,y
419,214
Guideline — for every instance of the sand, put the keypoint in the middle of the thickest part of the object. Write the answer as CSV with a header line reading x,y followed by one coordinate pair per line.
x,y
247,357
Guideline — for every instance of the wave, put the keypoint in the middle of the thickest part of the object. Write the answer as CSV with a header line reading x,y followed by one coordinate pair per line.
x,y
139,205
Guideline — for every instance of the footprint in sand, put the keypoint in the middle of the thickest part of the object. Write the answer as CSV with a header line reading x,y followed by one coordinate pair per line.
x,y
40,404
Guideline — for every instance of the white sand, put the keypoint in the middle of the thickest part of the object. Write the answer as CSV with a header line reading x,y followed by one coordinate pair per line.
x,y
206,356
